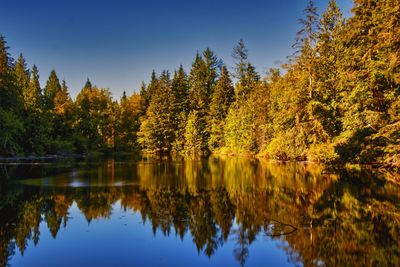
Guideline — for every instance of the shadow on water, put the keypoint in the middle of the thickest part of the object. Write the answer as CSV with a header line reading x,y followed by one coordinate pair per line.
x,y
344,219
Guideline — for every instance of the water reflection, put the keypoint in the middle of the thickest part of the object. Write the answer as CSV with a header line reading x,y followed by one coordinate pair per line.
x,y
351,218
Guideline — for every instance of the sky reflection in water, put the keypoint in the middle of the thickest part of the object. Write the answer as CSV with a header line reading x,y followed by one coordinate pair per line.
x,y
211,212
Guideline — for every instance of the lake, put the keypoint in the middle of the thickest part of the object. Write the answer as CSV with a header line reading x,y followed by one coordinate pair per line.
x,y
218,211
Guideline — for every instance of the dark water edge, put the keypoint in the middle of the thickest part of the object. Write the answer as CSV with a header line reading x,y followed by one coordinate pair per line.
x,y
215,211
390,174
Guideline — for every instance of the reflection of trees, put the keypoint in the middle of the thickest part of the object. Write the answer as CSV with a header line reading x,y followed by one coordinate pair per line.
x,y
344,220
349,222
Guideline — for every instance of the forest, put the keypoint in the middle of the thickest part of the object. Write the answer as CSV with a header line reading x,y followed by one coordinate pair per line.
x,y
335,100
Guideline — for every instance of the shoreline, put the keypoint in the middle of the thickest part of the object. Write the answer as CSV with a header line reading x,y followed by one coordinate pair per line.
x,y
18,159
390,174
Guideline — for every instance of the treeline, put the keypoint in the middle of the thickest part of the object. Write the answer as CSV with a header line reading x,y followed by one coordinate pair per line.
x,y
335,100
36,122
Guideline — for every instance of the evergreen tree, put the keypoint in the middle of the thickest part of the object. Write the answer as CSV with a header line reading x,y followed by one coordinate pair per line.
x,y
147,93
157,129
245,72
143,97
306,36
324,108
239,128
50,90
221,100
37,135
244,128
338,100
21,75
95,118
370,83
33,95
59,112
305,43
240,55
11,105
198,95
193,134
88,85
197,80
127,122
62,113
211,73
62,101
180,89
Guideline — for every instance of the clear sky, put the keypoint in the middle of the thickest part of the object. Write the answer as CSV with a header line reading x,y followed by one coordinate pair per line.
x,y
118,43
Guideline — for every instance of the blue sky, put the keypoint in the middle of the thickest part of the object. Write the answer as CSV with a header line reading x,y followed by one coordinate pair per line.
x,y
118,43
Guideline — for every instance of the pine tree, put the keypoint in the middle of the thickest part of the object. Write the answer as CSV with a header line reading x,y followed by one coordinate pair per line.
x,y
11,105
193,135
50,90
244,128
33,95
94,115
248,82
370,82
37,134
245,72
240,55
147,93
239,128
199,98
88,84
324,108
211,73
62,113
21,75
143,97
307,34
156,133
62,101
221,100
180,89
127,122
197,80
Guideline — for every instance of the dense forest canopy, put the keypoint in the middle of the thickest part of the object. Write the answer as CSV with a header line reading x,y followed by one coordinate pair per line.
x,y
335,100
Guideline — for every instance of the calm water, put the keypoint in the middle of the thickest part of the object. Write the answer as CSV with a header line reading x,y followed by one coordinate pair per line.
x,y
209,212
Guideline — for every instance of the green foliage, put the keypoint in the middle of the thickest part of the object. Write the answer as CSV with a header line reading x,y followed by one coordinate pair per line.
x,y
10,135
62,114
337,100
202,80
50,90
180,89
288,145
59,146
193,134
94,117
36,118
127,122
156,132
221,100
22,76
234,130
33,94
11,104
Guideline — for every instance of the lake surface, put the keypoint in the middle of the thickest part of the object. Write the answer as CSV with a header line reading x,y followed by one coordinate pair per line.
x,y
133,211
